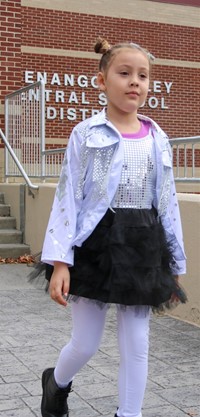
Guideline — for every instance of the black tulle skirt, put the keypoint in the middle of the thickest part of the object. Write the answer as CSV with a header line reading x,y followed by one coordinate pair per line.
x,y
126,260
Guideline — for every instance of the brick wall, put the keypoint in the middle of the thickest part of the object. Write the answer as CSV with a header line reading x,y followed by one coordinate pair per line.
x,y
62,30
10,58
75,31
72,31
10,46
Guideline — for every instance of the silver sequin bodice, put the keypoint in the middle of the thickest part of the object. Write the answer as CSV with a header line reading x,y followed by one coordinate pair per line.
x,y
138,178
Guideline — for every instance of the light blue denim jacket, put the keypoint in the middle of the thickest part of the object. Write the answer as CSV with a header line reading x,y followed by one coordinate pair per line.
x,y
89,179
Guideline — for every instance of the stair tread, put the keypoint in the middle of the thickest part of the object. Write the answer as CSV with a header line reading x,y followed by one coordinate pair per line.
x,y
11,245
10,231
14,250
7,217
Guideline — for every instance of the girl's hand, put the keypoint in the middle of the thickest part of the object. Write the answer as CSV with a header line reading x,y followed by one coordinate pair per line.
x,y
59,283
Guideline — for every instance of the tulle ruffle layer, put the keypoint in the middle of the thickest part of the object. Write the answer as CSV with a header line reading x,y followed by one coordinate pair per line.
x,y
126,261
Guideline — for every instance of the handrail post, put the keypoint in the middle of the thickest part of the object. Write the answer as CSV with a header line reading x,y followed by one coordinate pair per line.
x,y
42,129
6,133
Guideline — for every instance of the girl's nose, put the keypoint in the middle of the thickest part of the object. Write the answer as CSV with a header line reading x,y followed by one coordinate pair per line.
x,y
134,82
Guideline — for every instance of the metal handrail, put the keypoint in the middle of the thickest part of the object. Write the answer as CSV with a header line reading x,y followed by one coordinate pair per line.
x,y
23,89
179,141
181,144
53,151
19,166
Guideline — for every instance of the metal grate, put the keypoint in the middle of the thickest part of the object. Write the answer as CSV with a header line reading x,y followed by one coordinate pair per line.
x,y
25,130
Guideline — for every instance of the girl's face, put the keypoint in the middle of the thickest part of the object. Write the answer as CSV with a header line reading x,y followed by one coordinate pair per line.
x,y
126,82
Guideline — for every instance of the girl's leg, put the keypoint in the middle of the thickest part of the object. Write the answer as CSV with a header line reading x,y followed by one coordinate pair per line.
x,y
88,324
133,339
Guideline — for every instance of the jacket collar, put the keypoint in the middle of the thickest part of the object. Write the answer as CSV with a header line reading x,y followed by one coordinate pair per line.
x,y
101,118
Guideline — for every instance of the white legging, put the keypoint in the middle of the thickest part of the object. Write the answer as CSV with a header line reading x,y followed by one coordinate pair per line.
x,y
133,339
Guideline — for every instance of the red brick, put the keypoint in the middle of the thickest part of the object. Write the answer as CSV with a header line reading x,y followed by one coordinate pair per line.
x,y
77,31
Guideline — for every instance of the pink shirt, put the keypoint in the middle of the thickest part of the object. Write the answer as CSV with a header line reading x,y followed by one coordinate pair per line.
x,y
144,130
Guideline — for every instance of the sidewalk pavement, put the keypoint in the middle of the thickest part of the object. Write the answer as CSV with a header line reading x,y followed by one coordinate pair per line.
x,y
33,329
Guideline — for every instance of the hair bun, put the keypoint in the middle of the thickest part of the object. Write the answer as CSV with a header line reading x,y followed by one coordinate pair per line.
x,y
101,46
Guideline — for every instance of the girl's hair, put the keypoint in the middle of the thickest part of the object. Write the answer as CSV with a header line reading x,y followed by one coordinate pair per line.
x,y
108,52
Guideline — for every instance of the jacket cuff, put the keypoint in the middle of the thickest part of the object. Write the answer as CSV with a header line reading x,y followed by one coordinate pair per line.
x,y
179,268
67,259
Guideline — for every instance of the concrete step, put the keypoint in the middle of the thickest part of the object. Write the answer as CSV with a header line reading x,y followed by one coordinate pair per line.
x,y
11,245
10,236
7,222
1,198
4,210
11,250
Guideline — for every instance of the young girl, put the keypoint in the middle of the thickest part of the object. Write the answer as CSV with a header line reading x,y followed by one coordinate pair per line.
x,y
114,234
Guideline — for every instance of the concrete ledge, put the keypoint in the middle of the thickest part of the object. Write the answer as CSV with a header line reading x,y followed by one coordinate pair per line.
x,y
190,214
31,212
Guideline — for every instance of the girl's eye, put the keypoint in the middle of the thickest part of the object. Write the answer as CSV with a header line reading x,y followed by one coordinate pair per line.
x,y
143,76
124,73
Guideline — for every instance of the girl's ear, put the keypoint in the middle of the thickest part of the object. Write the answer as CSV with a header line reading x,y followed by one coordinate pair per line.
x,y
101,81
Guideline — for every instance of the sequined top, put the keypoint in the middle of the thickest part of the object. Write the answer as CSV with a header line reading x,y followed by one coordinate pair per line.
x,y
138,177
